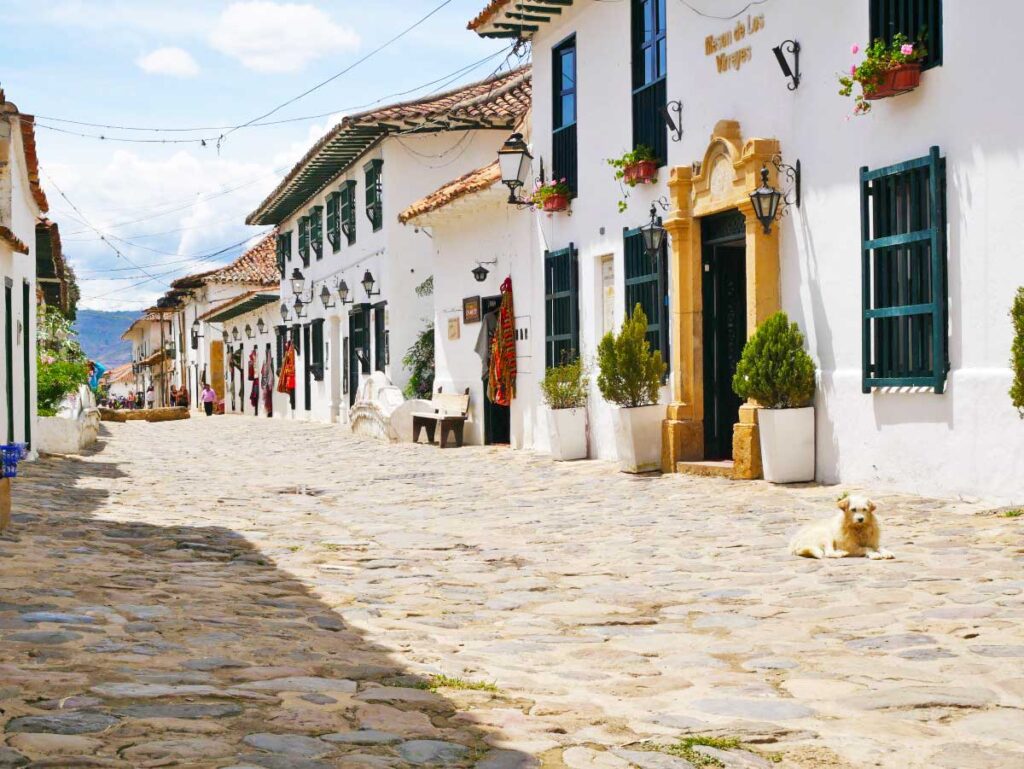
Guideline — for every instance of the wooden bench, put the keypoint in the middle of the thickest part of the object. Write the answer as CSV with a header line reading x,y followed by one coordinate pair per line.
x,y
450,412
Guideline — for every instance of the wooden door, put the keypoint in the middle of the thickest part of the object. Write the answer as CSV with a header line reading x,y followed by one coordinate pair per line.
x,y
217,368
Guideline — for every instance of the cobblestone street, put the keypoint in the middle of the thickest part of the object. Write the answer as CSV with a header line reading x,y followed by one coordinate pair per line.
x,y
203,594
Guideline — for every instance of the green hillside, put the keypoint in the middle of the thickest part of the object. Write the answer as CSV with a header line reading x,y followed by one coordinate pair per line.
x,y
100,332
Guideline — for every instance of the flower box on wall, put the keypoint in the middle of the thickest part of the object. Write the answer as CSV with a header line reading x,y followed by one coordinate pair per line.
x,y
556,203
641,172
897,80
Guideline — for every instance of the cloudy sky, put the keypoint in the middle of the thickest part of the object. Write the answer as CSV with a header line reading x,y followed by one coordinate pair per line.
x,y
173,64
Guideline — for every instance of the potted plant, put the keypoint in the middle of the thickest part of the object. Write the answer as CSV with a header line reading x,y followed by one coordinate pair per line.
x,y
630,377
888,69
640,166
564,390
552,196
777,372
1017,352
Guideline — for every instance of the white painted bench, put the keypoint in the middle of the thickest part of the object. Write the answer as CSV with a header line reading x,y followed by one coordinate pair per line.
x,y
450,412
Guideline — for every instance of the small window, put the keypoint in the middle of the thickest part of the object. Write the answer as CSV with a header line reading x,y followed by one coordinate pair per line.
x,y
334,220
564,157
649,71
374,193
304,240
904,294
316,230
647,285
561,306
348,211
919,20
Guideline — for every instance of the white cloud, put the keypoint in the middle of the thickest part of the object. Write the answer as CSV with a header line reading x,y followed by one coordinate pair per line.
x,y
176,62
279,37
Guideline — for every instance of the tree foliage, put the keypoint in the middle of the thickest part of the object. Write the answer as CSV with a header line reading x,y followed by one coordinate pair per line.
x,y
775,370
419,359
629,373
1017,352
57,380
56,338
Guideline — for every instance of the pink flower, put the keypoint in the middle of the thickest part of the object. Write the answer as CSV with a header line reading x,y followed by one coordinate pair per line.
x,y
853,70
854,48
907,48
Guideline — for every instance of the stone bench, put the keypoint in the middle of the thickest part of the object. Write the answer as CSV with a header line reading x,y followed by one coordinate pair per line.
x,y
450,412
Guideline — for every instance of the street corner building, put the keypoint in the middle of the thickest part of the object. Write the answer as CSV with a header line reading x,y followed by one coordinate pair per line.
x,y
355,288
22,204
891,238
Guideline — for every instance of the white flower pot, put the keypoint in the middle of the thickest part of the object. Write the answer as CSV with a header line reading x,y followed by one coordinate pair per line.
x,y
638,438
787,444
567,431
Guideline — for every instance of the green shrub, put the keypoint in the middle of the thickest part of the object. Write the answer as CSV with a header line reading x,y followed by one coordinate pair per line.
x,y
56,379
419,359
1017,352
629,373
565,386
774,369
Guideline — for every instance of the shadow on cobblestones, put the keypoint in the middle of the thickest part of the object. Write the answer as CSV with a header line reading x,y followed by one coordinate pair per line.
x,y
128,644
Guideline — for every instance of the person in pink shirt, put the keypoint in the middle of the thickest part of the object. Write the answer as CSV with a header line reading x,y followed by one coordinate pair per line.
x,y
208,397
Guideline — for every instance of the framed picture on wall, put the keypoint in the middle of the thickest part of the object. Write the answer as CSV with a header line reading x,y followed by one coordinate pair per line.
x,y
453,328
471,309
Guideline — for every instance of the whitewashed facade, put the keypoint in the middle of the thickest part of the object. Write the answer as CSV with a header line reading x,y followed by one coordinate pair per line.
x,y
966,439
22,201
398,153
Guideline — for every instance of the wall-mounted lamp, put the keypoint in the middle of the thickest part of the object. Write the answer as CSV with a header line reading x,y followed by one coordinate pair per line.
x,y
793,73
234,334
675,124
653,234
300,308
514,160
480,272
226,336
249,332
284,311
343,292
298,281
261,326
325,296
368,282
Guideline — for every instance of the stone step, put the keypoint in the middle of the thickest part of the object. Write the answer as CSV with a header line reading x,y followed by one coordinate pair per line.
x,y
708,469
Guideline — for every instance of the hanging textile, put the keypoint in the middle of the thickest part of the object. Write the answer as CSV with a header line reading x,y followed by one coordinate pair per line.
x,y
501,384
235,359
286,382
267,384
252,365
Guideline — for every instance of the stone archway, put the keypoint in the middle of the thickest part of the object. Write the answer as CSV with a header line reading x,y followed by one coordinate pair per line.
x,y
728,173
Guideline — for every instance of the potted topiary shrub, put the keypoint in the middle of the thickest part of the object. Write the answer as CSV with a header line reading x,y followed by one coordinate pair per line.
x,y
564,390
1017,352
777,372
888,69
630,377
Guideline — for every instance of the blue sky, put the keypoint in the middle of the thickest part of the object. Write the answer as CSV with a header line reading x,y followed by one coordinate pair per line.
x,y
183,64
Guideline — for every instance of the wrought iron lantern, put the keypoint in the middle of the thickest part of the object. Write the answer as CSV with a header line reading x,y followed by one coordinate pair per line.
x,y
234,334
300,308
261,326
325,296
284,311
653,234
248,332
480,273
298,281
343,292
514,160
765,200
368,283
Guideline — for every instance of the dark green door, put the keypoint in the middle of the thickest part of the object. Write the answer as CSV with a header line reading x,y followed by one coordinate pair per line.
x,y
9,357
307,374
497,419
27,370
358,347
725,329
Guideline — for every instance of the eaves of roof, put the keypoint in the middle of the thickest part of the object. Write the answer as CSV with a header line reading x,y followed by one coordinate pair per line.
x,y
517,19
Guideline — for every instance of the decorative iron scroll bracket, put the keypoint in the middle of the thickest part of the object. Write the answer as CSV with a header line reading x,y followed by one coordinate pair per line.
x,y
791,47
792,175
675,124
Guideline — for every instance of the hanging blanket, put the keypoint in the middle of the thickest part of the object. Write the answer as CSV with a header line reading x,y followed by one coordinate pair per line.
x,y
501,383
286,382
252,365
267,384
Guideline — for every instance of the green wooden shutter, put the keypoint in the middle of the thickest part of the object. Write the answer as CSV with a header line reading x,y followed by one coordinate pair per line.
x,y
304,240
919,20
561,306
374,202
903,273
348,211
316,230
334,220
316,349
646,283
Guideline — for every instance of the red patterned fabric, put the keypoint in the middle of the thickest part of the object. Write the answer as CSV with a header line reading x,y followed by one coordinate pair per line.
x,y
501,383
286,382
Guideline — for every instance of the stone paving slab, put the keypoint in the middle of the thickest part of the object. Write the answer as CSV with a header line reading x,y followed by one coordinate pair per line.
x,y
236,592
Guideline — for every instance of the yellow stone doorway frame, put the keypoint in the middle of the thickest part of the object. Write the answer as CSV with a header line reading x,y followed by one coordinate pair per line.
x,y
728,173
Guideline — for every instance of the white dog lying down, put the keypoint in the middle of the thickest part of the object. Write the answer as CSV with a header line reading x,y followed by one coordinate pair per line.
x,y
852,532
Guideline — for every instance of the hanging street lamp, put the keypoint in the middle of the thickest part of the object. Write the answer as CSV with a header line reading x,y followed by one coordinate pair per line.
x,y
343,292
226,337
653,234
368,283
261,326
284,311
298,281
325,296
514,161
248,332
234,334
300,308
765,200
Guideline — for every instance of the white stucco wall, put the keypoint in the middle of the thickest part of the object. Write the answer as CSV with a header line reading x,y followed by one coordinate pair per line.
x,y
967,441
399,258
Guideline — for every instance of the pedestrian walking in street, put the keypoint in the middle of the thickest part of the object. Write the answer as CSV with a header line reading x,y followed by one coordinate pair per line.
x,y
208,397
150,397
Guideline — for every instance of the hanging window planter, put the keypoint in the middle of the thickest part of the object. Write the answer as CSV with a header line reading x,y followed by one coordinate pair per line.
x,y
552,196
640,166
888,70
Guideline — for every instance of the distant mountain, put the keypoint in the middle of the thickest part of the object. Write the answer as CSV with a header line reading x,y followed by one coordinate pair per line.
x,y
99,333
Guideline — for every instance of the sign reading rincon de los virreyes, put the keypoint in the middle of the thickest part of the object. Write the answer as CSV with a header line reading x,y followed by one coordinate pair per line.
x,y
716,45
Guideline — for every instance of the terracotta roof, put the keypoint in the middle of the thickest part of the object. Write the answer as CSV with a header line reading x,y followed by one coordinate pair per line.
x,y
497,102
475,181
257,266
242,303
510,18
12,240
27,124
145,318
122,373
